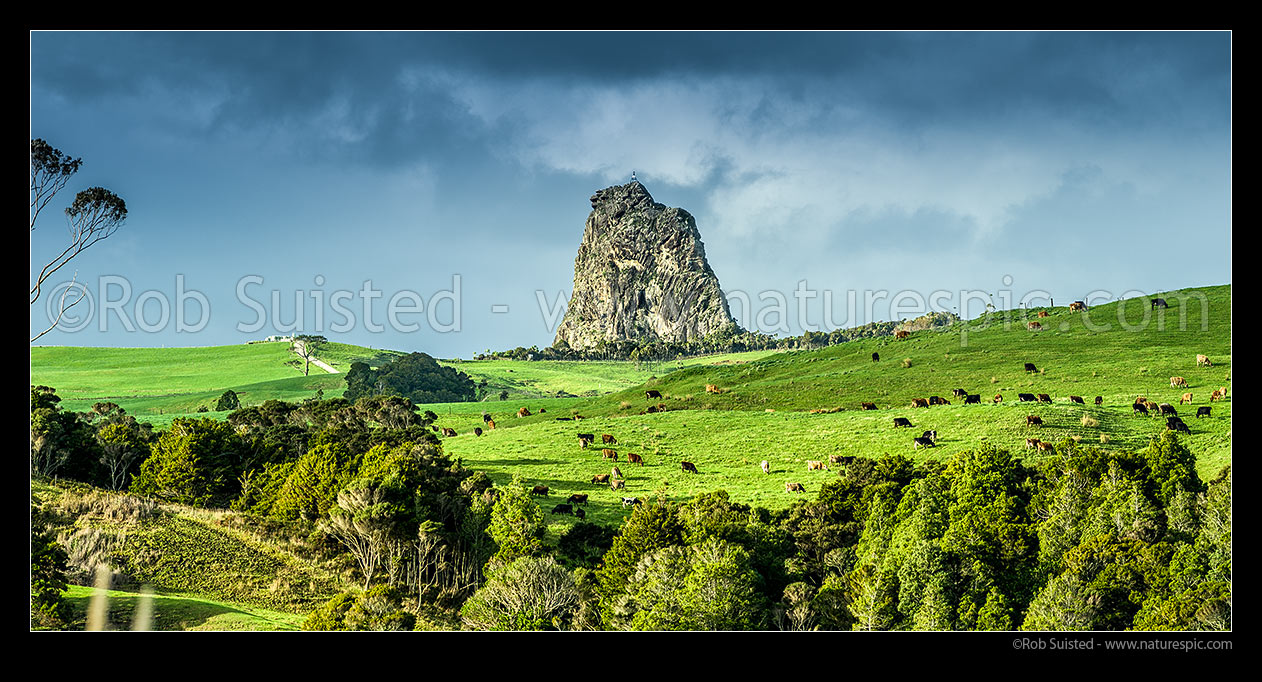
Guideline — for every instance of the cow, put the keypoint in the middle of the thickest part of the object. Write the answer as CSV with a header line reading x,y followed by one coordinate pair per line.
x,y
650,410
902,421
1218,394
617,484
577,498
485,417
944,401
1176,424
609,453
1203,361
523,412
434,428
1045,398
931,435
661,407
1202,411
711,388
1033,420
841,459
491,425
1139,408
815,465
902,334
447,433
1026,397
477,430
633,458
959,393
651,394
935,400
630,501
586,439
997,399
615,472
543,410
1034,326
689,466
1029,367
1031,443
565,419
918,443
973,399
1043,313
600,478
1046,447
582,515
1167,408
1077,399
919,402
876,357
539,490
867,406
1077,305
766,467
794,488
1159,303
578,417
1177,382
1099,400
563,509
608,439
1186,397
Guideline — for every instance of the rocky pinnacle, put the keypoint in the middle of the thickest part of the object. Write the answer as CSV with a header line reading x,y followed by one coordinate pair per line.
x,y
641,274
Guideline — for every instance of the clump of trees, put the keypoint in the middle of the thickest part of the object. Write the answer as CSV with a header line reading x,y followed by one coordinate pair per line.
x,y
417,377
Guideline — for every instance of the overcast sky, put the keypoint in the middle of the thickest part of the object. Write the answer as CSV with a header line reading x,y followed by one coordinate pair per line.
x,y
338,166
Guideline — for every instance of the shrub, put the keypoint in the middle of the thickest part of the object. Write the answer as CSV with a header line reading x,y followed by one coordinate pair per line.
x,y
1089,421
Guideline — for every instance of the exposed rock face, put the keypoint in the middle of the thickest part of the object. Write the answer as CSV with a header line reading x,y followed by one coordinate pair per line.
x,y
641,274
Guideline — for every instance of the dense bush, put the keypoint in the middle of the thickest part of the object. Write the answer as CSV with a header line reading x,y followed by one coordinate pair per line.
x,y
417,377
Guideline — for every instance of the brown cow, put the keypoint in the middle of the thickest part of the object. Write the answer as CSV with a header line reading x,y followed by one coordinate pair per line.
x,y
1216,395
1203,361
585,439
689,466
1077,305
1187,397
1031,443
1035,326
661,407
523,412
1045,398
1042,313
867,406
997,399
616,473
814,465
539,490
1046,447
447,433
902,334
1176,382
577,498
1033,420
490,424
609,453
600,478
633,458
919,402
651,410
617,485
711,388
608,439
794,488
651,394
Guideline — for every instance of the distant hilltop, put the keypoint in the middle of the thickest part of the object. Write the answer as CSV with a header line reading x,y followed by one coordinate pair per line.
x,y
641,274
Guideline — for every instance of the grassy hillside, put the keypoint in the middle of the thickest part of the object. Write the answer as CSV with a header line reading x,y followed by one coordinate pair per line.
x,y
763,410
176,612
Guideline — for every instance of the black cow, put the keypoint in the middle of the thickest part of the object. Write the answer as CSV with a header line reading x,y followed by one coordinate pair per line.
x,y
1026,397
1033,420
1099,400
1029,367
563,509
918,443
586,439
876,357
1202,411
689,466
1045,398
973,399
630,501
935,400
1176,424
1159,303
565,419
486,417
960,393
582,515
477,430
1077,399
902,421
867,406
539,490
651,394
1167,408
931,435
1140,408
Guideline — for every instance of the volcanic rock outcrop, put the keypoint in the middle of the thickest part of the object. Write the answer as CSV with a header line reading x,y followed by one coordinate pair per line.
x,y
641,274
